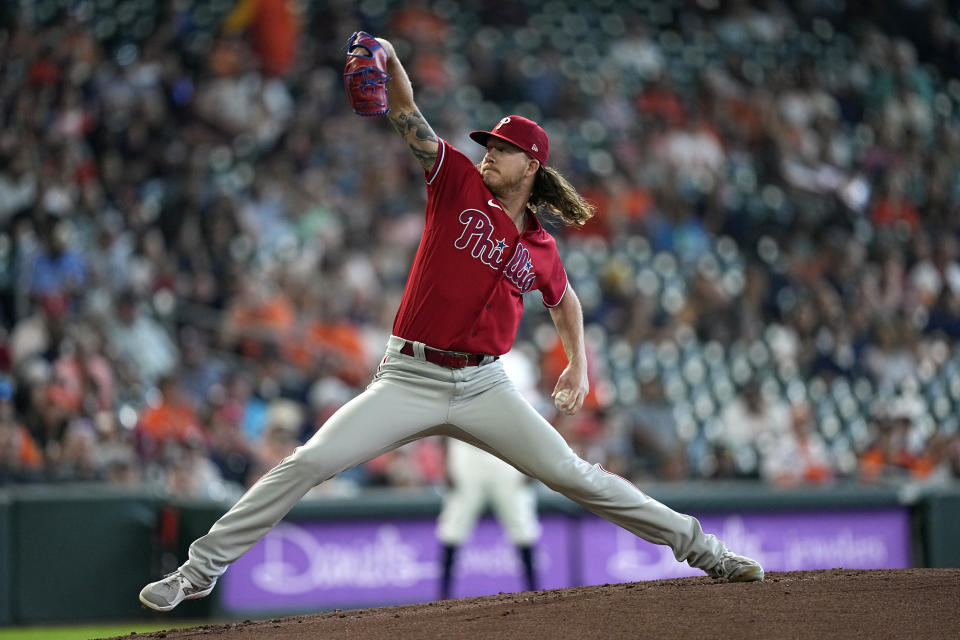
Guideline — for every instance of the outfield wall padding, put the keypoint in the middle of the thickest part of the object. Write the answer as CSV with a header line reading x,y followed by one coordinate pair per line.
x,y
79,553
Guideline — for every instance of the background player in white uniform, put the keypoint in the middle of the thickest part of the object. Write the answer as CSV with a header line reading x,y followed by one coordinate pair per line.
x,y
482,248
478,480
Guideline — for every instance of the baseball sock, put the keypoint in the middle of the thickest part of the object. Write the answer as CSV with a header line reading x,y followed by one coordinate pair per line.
x,y
526,557
449,553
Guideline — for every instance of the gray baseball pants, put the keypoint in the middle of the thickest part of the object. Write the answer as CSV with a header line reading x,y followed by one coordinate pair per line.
x,y
411,398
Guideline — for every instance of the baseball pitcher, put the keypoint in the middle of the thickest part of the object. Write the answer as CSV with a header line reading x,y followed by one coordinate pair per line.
x,y
482,249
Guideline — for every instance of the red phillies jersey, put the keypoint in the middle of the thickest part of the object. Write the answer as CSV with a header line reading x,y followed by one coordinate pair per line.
x,y
465,289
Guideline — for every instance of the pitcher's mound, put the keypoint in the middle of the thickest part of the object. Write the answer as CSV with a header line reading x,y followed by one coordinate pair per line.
x,y
837,603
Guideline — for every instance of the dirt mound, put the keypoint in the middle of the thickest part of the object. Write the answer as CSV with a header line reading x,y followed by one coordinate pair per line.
x,y
837,603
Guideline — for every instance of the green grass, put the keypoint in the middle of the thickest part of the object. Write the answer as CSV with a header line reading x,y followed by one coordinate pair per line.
x,y
85,632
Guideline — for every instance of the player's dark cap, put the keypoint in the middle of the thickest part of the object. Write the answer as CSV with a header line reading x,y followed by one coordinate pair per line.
x,y
519,131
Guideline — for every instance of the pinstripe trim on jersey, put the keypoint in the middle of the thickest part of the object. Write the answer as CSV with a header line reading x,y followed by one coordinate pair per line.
x,y
380,366
611,473
565,287
292,453
441,153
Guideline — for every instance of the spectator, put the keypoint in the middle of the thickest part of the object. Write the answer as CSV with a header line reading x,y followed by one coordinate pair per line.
x,y
753,417
59,269
167,422
84,373
656,447
273,27
18,183
329,341
79,459
936,270
800,455
888,457
281,435
143,349
20,458
191,473
751,424
201,371
261,316
893,207
121,465
47,411
891,357
39,334
230,450
939,460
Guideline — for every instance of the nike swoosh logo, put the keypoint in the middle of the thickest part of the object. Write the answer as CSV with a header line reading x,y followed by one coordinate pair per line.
x,y
493,203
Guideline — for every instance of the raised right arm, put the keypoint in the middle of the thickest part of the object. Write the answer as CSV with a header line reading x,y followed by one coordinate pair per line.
x,y
404,114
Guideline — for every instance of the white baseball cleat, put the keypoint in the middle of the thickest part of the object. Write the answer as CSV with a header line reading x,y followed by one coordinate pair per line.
x,y
165,594
736,568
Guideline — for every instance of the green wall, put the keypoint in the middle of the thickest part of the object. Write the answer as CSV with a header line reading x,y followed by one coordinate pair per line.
x,y
79,553
940,514
6,561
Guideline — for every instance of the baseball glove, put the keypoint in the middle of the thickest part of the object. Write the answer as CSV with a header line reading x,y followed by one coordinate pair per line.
x,y
365,77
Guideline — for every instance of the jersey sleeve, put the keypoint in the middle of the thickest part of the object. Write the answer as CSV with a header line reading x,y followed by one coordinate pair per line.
x,y
554,285
430,177
450,177
451,171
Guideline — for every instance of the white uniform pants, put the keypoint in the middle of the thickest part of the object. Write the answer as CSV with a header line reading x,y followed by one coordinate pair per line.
x,y
410,399
479,479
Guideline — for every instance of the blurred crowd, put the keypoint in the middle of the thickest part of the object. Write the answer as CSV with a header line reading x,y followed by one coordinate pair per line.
x,y
202,247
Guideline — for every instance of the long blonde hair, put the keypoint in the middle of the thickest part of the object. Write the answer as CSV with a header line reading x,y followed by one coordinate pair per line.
x,y
552,192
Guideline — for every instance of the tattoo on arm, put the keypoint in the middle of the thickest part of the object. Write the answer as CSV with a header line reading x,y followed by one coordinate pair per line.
x,y
413,128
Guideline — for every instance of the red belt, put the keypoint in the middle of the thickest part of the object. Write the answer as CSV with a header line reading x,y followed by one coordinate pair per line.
x,y
448,359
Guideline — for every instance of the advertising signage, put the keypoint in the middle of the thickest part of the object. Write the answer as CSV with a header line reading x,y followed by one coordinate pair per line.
x,y
315,566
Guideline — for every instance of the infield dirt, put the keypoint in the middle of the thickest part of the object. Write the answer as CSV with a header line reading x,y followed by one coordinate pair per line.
x,y
836,603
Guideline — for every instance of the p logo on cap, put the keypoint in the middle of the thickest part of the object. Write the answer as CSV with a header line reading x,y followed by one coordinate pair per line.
x,y
519,131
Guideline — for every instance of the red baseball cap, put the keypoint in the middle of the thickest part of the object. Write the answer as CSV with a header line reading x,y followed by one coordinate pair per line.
x,y
519,131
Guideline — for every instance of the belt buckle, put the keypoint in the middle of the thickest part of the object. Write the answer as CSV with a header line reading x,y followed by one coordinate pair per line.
x,y
461,354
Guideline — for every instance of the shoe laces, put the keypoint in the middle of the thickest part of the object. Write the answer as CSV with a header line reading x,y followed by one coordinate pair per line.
x,y
176,580
729,561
